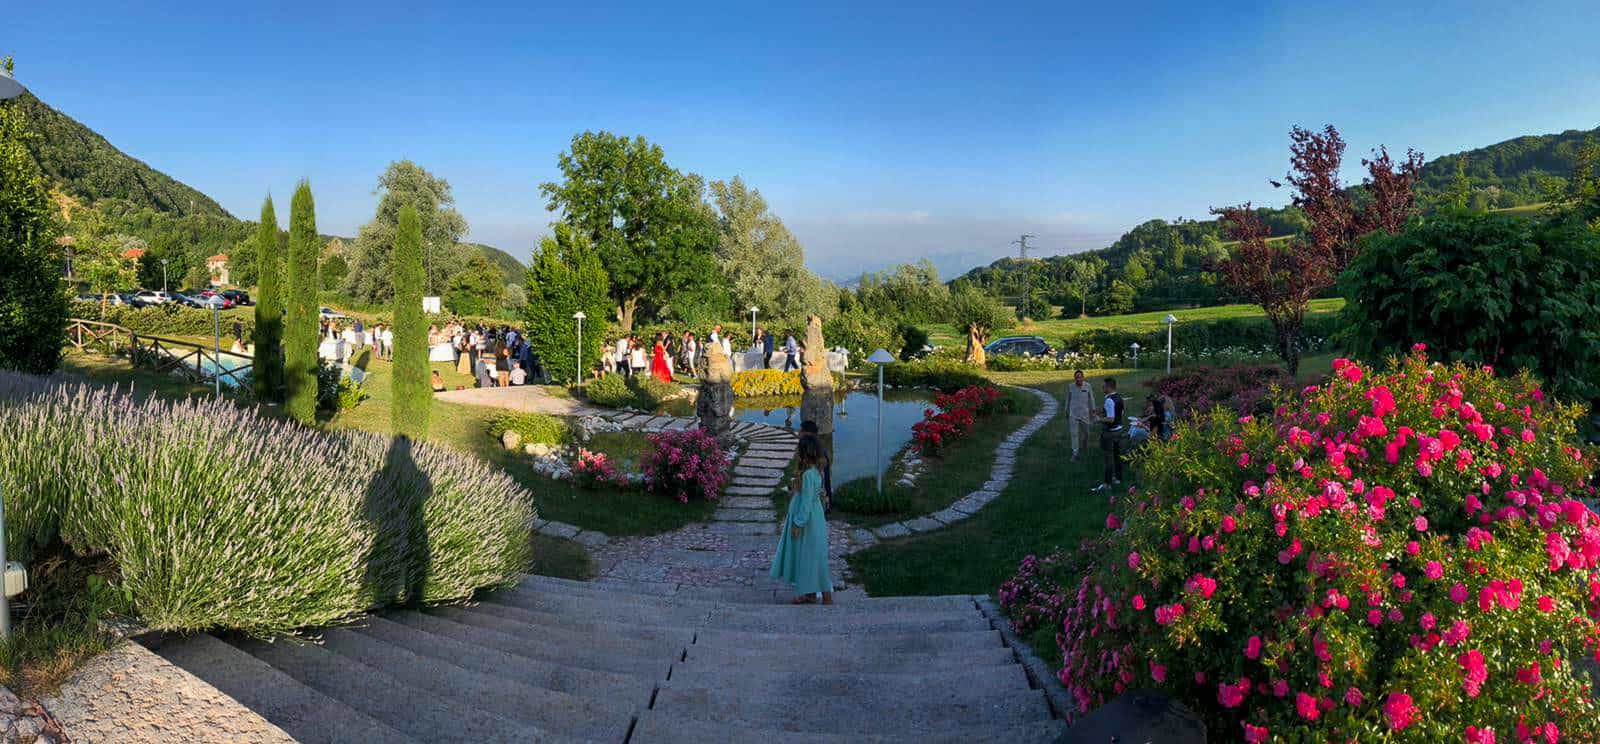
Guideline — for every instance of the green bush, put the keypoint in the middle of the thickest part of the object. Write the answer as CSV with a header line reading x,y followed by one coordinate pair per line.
x,y
939,374
219,518
534,428
351,394
861,496
912,342
412,390
1484,288
643,392
170,319
609,391
32,306
649,392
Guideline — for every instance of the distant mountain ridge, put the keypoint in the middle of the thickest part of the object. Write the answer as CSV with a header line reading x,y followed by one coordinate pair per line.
x,y
83,164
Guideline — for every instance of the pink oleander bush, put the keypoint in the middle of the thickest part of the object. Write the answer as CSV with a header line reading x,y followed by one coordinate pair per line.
x,y
686,464
593,469
1392,556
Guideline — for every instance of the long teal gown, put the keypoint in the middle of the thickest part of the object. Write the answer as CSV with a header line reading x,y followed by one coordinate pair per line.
x,y
804,562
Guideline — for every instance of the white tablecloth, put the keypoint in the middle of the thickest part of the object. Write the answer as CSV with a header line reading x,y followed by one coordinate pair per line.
x,y
441,353
333,350
838,360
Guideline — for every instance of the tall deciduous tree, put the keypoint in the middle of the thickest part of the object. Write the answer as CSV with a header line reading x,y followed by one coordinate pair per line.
x,y
654,232
100,258
478,289
33,304
371,277
566,277
300,321
1084,277
978,315
413,395
1281,277
761,260
267,371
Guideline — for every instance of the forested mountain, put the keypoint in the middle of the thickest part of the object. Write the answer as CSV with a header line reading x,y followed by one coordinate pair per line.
x,y
1161,264
508,264
80,163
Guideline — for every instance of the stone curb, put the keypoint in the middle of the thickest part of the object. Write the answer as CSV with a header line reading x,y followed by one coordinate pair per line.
x,y
1039,674
1005,460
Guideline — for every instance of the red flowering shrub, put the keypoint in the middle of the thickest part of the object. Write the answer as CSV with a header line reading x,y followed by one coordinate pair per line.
x,y
594,469
686,464
1394,556
1241,388
955,415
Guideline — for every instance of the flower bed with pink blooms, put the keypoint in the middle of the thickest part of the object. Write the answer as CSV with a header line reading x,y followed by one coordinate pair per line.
x,y
686,464
954,414
1393,556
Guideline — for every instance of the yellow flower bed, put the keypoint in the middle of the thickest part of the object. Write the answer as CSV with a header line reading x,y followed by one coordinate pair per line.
x,y
760,382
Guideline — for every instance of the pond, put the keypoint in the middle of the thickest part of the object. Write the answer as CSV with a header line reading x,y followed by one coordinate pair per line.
x,y
855,424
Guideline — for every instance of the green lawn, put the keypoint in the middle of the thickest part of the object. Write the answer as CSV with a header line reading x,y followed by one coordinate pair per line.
x,y
1047,505
962,469
1054,330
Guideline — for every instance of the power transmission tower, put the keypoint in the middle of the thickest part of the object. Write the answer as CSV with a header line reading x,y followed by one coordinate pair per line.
x,y
1027,277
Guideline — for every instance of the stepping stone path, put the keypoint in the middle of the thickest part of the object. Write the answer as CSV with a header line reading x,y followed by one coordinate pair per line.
x,y
1005,461
552,660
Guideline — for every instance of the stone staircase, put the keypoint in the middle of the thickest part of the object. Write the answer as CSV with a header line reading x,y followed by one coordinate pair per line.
x,y
556,660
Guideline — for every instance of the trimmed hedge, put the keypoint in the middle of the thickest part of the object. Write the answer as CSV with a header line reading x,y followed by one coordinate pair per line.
x,y
534,428
643,392
170,319
940,374
220,518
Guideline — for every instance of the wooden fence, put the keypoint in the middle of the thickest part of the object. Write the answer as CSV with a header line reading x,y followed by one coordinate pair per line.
x,y
193,361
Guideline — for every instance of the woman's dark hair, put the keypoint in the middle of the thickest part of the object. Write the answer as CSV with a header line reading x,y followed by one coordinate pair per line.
x,y
810,451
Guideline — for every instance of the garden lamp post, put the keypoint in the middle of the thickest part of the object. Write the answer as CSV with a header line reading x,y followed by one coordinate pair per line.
x,y
880,358
1171,320
9,88
1135,347
753,311
164,277
579,316
216,330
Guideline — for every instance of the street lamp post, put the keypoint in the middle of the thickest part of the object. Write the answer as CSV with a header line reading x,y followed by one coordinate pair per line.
x,y
9,88
1135,347
164,277
880,358
216,330
1171,320
753,310
579,316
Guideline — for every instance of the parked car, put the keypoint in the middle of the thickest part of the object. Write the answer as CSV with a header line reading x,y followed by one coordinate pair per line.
x,y
187,300
151,297
1018,346
239,297
111,299
329,313
210,296
213,300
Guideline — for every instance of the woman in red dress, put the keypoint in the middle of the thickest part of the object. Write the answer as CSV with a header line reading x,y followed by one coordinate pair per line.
x,y
658,362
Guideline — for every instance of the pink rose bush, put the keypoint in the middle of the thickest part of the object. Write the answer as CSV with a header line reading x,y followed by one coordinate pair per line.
x,y
594,469
1395,555
686,464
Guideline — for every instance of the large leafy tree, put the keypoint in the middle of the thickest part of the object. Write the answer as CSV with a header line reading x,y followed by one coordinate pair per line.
x,y
762,261
566,277
413,395
267,371
300,321
101,258
652,228
1083,277
1484,288
371,277
33,304
479,289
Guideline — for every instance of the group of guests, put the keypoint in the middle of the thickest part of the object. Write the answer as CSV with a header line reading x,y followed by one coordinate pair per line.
x,y
356,335
493,356
667,354
1118,431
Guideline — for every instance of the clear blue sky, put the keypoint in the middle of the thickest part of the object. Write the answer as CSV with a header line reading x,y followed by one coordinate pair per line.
x,y
877,135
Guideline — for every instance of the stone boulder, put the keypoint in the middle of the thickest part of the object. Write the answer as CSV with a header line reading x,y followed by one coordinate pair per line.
x,y
719,368
511,440
815,372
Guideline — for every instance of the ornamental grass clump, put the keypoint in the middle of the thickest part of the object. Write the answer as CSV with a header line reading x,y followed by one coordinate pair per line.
x,y
218,518
1392,556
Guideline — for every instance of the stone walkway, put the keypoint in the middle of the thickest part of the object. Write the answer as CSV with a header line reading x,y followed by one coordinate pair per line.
x,y
527,398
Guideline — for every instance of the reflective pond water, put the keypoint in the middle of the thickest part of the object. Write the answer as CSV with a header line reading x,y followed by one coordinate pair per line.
x,y
855,424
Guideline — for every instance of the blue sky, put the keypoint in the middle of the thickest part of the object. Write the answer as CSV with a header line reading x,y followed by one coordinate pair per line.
x,y
879,134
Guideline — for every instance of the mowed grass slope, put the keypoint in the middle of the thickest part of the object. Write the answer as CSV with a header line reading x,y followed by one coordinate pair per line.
x,y
1054,330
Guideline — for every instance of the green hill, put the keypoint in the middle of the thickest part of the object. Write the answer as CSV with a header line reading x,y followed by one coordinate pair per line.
x,y
1512,173
82,164
509,265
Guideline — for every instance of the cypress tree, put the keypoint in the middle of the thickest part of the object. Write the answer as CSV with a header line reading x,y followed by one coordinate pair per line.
x,y
33,308
413,393
268,368
300,322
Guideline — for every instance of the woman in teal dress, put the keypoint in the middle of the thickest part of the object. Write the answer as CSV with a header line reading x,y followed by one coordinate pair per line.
x,y
802,558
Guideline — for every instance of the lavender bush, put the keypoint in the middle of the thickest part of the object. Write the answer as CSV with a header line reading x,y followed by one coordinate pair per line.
x,y
217,517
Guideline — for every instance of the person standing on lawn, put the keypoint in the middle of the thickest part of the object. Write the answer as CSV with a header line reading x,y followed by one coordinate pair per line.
x,y
1080,402
802,556
764,337
1113,435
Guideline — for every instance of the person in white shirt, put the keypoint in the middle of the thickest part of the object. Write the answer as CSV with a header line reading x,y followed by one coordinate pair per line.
x,y
388,343
622,355
1080,404
518,377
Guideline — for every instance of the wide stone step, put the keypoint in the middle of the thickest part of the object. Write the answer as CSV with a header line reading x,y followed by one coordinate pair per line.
x,y
758,471
659,727
669,612
798,659
662,613
915,643
749,481
688,595
413,711
588,632
302,712
505,606
840,624
949,685
745,515
830,715
753,461
557,712
548,675
747,502
645,664
748,491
